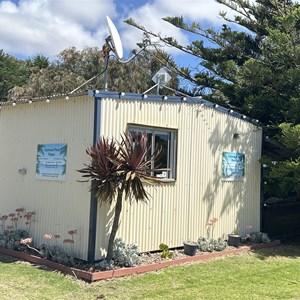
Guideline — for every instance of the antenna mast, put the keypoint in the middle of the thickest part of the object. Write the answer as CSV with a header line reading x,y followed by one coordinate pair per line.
x,y
113,43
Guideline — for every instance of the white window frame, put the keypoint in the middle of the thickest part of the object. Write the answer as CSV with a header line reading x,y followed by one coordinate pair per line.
x,y
170,174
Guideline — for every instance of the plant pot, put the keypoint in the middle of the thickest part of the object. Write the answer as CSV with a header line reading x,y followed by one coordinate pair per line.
x,y
234,240
244,240
190,248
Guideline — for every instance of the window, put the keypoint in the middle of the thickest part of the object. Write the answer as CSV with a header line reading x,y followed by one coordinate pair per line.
x,y
160,139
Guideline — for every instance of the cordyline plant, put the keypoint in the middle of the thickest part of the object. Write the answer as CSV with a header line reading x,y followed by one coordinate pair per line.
x,y
120,169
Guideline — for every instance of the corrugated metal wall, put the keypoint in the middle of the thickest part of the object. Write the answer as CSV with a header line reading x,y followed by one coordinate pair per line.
x,y
177,211
180,210
60,206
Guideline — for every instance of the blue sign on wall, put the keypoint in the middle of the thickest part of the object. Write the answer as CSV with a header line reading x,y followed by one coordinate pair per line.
x,y
233,165
51,161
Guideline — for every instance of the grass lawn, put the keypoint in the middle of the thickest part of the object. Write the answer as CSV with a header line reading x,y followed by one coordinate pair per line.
x,y
264,274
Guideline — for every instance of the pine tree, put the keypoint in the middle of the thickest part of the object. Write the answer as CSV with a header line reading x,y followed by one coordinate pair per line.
x,y
252,63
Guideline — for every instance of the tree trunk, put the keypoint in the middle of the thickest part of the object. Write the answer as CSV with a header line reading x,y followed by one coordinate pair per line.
x,y
115,226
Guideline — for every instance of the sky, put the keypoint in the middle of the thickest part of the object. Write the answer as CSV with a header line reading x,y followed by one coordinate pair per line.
x,y
31,27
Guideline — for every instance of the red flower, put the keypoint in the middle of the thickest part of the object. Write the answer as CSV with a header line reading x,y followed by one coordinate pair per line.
x,y
51,236
48,236
26,241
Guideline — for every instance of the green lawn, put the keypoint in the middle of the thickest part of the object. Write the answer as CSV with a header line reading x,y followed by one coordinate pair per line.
x,y
265,274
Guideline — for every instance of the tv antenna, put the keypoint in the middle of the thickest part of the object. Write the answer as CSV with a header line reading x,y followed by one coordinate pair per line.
x,y
113,43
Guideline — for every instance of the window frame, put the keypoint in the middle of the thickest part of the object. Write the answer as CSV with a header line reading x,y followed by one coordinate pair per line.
x,y
172,144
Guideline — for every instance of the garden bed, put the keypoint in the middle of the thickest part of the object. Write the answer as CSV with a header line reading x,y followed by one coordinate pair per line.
x,y
147,265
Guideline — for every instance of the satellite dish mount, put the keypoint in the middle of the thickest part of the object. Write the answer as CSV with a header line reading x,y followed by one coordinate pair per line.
x,y
113,43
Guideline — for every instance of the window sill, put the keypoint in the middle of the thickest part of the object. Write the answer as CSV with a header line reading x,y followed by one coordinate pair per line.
x,y
166,180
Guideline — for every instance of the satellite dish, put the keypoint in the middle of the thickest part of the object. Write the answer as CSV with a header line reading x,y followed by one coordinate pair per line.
x,y
115,38
113,42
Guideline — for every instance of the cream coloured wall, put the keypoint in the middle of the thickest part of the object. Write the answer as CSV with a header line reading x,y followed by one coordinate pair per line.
x,y
181,209
60,206
177,211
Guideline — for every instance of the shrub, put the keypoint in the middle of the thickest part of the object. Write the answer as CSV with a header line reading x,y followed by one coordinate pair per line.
x,y
125,255
103,265
165,251
54,253
220,244
258,237
209,245
12,239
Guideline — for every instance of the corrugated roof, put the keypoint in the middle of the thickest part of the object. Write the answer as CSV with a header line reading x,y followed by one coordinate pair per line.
x,y
164,98
136,97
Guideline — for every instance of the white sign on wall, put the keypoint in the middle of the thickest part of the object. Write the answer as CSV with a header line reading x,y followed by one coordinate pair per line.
x,y
51,162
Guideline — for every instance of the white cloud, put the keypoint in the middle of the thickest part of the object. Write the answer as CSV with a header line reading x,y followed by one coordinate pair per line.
x,y
89,13
49,26
9,7
193,10
150,17
28,27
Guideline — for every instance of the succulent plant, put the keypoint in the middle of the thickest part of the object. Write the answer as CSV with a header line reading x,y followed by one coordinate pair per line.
x,y
209,245
258,237
103,265
125,255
